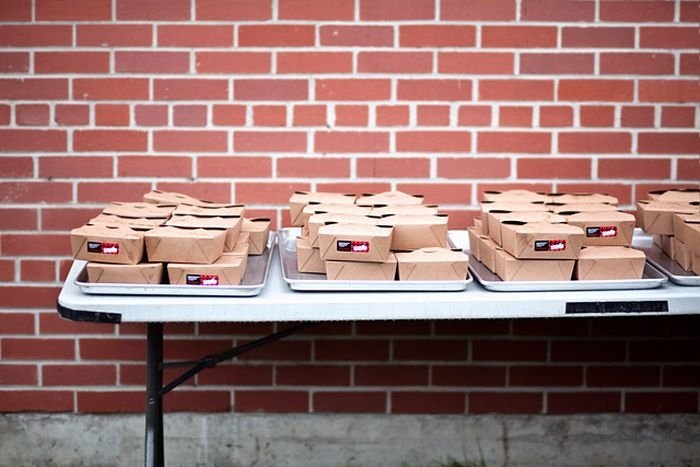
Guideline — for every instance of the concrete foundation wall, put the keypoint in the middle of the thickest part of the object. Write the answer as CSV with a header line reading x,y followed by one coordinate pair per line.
x,y
355,440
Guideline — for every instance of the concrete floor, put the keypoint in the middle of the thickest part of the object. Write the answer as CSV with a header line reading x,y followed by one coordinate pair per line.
x,y
355,440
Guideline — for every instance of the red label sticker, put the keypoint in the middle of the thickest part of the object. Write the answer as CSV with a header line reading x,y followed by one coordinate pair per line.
x,y
550,245
608,231
202,279
103,248
352,246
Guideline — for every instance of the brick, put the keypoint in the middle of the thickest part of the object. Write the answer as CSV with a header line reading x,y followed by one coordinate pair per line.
x,y
130,374
595,90
597,116
114,35
583,402
112,349
29,297
16,10
36,401
668,143
151,115
637,116
353,89
674,376
538,376
636,11
33,244
228,115
587,351
659,402
18,375
195,36
510,402
16,323
35,35
688,169
395,62
236,375
473,167
266,193
154,166
433,115
17,219
233,62
312,375
233,10
321,167
277,401
37,349
516,90
437,36
32,140
636,63
474,115
190,115
324,10
468,375
7,270
678,117
152,62
555,64
664,351
190,89
32,114
314,62
106,192
110,140
396,10
551,327
690,12
627,376
66,218
105,89
560,168
556,116
356,36
440,193
594,142
519,36
279,141
392,115
557,10
428,403
35,192
349,402
79,375
669,38
277,35
598,37
266,89
351,141
433,141
216,192
110,402
435,90
309,115
477,10
112,115
33,89
156,10
190,141
182,349
442,350
502,350
391,375
270,115
393,167
71,62
502,141
5,114
669,90
71,114
351,115
351,350
68,167
14,62
515,116
475,63
73,10
52,323
392,328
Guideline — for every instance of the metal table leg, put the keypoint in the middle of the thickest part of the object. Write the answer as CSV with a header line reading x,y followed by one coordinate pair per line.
x,y
154,399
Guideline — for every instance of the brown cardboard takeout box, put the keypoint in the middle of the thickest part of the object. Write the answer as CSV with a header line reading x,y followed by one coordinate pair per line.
x,y
407,209
414,232
696,264
325,208
514,196
581,198
258,230
605,228
540,240
610,263
227,270
562,208
359,271
233,210
657,216
142,273
317,221
232,226
474,235
300,199
509,268
432,264
355,242
497,216
179,245
687,195
487,249
167,197
107,244
488,206
389,198
682,254
140,210
135,223
309,258
684,226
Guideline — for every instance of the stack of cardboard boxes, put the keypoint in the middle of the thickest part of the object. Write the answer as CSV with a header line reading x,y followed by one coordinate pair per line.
x,y
673,218
371,237
197,242
528,236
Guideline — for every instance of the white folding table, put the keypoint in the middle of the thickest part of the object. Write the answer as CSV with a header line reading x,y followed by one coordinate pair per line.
x,y
277,303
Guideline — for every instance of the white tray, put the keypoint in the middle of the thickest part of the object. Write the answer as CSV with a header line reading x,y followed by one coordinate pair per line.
x,y
672,269
318,282
253,281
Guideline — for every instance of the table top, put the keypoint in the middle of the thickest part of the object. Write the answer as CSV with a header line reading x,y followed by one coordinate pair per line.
x,y
278,303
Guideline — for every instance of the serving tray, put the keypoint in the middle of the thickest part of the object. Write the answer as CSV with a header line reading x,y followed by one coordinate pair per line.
x,y
253,281
669,267
318,282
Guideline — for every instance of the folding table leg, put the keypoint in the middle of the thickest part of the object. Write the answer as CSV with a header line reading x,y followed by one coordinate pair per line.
x,y
154,400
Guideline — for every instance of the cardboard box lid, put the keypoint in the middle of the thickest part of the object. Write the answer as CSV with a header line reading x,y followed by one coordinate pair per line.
x,y
527,216
389,198
306,197
542,228
488,206
325,208
599,216
332,234
686,195
208,211
514,196
108,231
559,208
318,220
359,230
406,219
142,273
432,255
541,239
612,252
258,224
409,209
107,243
204,222
610,262
185,233
414,232
135,223
140,210
579,198
167,197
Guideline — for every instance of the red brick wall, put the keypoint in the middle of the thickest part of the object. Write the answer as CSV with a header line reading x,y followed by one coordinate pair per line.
x,y
244,101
